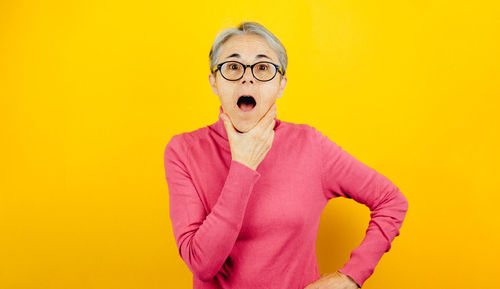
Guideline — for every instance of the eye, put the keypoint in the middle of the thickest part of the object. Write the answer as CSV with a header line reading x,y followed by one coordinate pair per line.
x,y
262,67
234,66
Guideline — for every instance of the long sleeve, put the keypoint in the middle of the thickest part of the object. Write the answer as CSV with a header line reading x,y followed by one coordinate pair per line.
x,y
345,176
205,240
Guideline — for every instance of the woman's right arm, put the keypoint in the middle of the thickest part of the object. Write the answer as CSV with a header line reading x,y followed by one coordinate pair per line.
x,y
205,241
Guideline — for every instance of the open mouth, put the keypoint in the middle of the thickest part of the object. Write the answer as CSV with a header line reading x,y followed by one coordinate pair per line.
x,y
246,102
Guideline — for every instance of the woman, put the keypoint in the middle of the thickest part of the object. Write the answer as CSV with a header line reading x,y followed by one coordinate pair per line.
x,y
247,192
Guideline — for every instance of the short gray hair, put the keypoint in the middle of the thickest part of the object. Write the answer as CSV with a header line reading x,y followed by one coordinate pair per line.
x,y
247,27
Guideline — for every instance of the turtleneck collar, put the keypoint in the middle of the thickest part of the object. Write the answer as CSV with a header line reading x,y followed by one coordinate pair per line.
x,y
220,129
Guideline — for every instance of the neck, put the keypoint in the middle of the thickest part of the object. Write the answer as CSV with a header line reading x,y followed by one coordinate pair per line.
x,y
220,129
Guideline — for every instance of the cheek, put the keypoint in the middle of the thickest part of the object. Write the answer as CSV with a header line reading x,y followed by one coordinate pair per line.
x,y
225,90
269,89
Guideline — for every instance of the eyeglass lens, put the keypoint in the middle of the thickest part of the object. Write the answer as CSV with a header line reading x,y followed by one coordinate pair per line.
x,y
261,71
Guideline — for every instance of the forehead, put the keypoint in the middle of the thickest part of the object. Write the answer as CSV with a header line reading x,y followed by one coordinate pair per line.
x,y
248,46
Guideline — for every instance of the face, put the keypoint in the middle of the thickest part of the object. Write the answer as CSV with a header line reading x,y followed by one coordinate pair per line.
x,y
248,47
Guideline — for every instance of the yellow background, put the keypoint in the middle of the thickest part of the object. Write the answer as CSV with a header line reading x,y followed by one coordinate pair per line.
x,y
92,91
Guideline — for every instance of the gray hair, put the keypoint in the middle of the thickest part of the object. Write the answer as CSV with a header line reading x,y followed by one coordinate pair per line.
x,y
247,27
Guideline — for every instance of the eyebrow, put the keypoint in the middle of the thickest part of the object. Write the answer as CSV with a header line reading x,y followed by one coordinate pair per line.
x,y
258,56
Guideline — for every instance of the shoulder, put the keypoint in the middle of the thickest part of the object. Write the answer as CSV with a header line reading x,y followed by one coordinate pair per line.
x,y
175,148
300,129
180,143
300,132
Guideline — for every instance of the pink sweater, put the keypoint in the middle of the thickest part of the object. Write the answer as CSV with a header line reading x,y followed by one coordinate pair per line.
x,y
236,227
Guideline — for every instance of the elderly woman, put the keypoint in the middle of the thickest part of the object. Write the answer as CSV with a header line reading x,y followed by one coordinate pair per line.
x,y
247,192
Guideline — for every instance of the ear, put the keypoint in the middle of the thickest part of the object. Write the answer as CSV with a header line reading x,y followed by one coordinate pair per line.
x,y
213,83
282,86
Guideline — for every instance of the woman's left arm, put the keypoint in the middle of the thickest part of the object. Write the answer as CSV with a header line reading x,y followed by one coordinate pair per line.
x,y
345,176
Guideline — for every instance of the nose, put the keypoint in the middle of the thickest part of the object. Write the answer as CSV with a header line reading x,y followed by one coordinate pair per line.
x,y
247,76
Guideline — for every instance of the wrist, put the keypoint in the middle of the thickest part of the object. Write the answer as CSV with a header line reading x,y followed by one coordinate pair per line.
x,y
246,164
350,278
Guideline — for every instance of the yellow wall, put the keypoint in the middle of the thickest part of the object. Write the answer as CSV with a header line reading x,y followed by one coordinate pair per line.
x,y
91,93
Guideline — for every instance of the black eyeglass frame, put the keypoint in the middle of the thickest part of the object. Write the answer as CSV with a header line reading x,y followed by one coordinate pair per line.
x,y
278,69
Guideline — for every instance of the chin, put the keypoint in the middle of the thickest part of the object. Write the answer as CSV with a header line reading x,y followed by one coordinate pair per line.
x,y
243,128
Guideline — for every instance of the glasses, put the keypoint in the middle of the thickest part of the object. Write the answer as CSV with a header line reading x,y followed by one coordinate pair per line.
x,y
234,70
